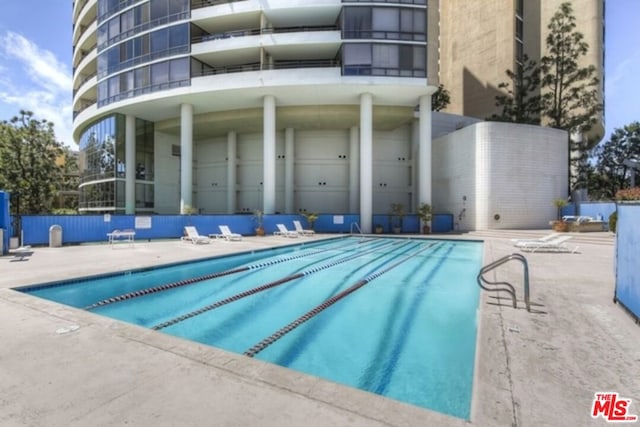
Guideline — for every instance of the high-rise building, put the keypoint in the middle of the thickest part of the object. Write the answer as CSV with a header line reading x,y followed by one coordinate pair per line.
x,y
481,39
291,106
229,106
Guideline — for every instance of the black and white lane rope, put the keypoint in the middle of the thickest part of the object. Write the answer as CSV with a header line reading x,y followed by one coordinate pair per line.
x,y
326,304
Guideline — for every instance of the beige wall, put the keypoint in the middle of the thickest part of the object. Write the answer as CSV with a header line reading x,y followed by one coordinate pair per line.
x,y
477,46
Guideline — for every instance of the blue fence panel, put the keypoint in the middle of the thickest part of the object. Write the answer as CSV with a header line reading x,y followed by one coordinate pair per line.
x,y
628,257
442,223
597,209
5,222
569,210
327,223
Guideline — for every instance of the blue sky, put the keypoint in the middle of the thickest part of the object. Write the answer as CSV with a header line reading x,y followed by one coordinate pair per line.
x,y
35,62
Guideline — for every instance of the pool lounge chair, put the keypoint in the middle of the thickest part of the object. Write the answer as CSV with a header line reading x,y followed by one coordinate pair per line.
x,y
192,235
284,232
227,234
520,242
301,231
22,252
557,244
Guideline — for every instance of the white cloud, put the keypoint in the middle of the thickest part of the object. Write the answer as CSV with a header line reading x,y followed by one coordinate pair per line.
x,y
624,70
33,79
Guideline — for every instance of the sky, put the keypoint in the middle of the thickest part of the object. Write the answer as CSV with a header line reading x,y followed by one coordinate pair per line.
x,y
35,63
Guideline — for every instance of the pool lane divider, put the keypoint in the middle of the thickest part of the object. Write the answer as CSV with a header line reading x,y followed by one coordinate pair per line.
x,y
185,282
326,304
264,287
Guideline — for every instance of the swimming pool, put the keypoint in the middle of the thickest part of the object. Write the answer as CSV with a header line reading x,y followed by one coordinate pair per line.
x,y
396,317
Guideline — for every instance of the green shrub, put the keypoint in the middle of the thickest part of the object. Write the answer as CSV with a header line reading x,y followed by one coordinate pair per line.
x,y
613,221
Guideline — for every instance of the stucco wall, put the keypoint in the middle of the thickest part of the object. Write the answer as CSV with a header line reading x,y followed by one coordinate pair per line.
x,y
514,171
628,257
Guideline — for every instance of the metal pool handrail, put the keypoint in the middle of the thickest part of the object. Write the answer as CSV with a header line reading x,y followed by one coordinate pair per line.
x,y
508,286
356,226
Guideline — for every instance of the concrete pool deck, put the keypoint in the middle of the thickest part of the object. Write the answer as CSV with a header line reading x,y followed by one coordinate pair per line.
x,y
61,366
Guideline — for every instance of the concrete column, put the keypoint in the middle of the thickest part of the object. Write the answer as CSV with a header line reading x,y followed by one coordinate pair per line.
x,y
186,156
269,155
232,156
415,203
354,170
424,151
366,162
130,165
289,165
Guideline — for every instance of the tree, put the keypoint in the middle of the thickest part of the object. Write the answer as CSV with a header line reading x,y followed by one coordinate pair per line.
x,y
570,91
67,191
440,99
610,173
522,101
28,153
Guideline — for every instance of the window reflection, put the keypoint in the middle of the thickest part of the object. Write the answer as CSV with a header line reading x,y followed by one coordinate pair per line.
x,y
103,168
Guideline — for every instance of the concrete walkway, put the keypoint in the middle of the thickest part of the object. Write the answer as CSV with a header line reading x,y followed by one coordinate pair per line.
x,y
61,366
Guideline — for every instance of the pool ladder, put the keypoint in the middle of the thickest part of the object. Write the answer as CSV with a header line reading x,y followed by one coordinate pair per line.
x,y
506,286
354,225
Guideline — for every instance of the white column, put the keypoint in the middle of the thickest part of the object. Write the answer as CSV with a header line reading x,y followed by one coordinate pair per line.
x,y
186,156
130,165
354,171
289,164
366,162
232,157
269,156
424,151
414,166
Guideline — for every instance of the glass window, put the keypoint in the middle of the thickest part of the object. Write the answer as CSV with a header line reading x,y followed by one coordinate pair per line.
x,y
127,21
114,27
178,35
178,6
179,69
103,34
114,86
160,73
357,20
141,77
126,82
356,54
385,19
159,41
159,9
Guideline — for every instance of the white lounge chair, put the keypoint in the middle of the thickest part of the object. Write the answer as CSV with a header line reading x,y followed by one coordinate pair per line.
x,y
192,235
227,234
284,232
520,242
22,252
301,231
554,245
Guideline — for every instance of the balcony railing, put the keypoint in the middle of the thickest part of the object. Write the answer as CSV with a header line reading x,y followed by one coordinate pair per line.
x,y
144,90
83,106
143,27
123,4
368,70
258,31
83,81
144,58
384,35
424,2
197,4
255,66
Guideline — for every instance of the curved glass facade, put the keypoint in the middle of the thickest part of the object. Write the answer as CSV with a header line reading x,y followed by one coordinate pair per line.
x,y
130,49
102,166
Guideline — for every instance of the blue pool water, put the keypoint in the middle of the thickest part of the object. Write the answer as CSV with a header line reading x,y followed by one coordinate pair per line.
x,y
396,317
